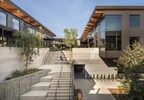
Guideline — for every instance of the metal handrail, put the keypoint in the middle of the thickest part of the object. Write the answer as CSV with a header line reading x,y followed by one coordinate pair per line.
x,y
58,83
47,92
44,59
71,81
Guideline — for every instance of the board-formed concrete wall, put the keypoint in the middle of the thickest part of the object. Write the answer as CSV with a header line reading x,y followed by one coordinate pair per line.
x,y
85,53
11,60
14,88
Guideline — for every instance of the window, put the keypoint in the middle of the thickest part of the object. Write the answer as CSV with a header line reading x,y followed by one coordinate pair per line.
x,y
133,40
134,20
31,30
113,25
113,41
16,24
113,22
3,19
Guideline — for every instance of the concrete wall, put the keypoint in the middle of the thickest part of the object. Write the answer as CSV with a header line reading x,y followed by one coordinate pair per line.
x,y
11,60
86,56
94,65
14,88
85,53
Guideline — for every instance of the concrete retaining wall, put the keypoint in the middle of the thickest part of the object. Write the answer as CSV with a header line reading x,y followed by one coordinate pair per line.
x,y
85,53
14,88
11,60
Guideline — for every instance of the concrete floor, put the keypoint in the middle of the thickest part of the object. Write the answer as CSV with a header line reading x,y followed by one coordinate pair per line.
x,y
96,90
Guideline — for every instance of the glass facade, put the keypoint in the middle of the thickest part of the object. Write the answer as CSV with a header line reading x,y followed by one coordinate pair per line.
x,y
3,19
110,33
16,24
31,30
113,22
102,35
113,40
113,32
134,20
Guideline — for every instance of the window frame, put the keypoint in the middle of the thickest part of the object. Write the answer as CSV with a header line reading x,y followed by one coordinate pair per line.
x,y
130,22
16,23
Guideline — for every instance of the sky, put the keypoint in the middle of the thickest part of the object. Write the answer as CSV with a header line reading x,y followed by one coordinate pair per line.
x,y
57,15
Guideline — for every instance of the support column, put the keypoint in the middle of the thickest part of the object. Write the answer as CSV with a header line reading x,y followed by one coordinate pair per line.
x,y
2,37
94,37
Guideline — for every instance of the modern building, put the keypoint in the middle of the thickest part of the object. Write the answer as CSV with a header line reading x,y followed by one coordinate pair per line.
x,y
13,18
113,28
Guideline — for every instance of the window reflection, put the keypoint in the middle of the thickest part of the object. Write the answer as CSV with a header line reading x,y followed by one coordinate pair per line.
x,y
2,19
15,24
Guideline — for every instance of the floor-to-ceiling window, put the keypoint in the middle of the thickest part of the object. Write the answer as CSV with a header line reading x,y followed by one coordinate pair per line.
x,y
16,24
113,26
3,22
3,19
102,35
31,30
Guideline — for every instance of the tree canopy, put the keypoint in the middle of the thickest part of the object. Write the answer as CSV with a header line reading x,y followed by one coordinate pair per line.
x,y
70,37
131,65
30,44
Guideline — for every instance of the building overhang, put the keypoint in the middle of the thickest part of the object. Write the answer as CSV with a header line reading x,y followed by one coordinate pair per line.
x,y
18,12
99,11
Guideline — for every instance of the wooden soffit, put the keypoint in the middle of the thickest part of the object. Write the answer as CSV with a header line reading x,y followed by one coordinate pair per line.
x,y
92,21
16,11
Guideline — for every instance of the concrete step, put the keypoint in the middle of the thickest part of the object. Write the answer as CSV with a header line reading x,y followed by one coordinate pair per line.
x,y
41,86
34,95
59,95
61,62
47,78
60,91
61,85
59,98
59,88
61,81
51,73
62,78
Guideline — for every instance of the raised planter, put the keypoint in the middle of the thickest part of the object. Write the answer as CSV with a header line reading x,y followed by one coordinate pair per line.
x,y
14,88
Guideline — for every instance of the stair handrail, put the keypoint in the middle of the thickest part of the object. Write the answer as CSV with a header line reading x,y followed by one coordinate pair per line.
x,y
47,92
58,83
71,79
45,57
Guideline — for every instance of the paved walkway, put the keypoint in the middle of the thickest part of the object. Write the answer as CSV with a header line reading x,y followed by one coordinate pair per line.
x,y
96,90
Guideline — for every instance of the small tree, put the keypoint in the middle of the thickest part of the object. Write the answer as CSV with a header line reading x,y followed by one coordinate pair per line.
x,y
130,63
70,37
30,44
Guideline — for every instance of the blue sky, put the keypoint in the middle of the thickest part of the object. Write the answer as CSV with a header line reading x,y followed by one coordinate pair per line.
x,y
59,14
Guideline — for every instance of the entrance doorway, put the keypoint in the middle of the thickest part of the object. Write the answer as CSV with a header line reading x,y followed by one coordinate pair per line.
x,y
79,71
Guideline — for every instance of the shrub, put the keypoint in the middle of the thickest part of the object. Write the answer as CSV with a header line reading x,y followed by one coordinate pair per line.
x,y
17,73
29,71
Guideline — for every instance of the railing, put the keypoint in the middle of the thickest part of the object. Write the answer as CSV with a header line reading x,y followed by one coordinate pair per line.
x,y
58,83
71,85
47,92
45,58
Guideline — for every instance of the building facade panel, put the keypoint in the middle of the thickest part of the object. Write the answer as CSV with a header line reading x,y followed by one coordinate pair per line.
x,y
119,27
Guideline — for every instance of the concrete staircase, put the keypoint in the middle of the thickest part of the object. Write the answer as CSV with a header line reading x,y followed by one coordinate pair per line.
x,y
57,86
61,87
54,58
